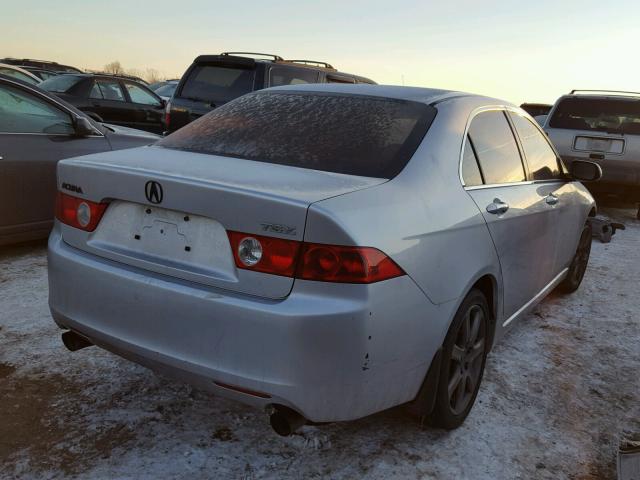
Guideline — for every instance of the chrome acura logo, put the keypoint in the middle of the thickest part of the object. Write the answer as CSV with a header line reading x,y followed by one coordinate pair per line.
x,y
153,192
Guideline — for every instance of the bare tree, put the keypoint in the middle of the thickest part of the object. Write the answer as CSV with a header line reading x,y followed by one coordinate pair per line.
x,y
114,67
152,75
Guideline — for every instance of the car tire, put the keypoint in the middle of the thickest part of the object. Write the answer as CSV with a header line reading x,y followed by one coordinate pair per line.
x,y
464,354
579,262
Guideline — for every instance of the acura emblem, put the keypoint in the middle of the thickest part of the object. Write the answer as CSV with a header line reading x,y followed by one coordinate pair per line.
x,y
153,192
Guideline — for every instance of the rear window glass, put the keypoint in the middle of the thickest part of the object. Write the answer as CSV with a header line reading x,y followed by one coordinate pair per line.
x,y
60,83
217,84
599,114
357,135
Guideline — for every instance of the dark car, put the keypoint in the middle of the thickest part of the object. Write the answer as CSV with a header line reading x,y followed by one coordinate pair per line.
x,y
36,130
43,64
111,98
536,109
213,80
41,73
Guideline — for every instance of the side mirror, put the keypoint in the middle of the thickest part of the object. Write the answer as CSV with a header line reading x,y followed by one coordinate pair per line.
x,y
83,127
585,171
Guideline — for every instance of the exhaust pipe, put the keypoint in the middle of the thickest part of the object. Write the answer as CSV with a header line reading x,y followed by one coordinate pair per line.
x,y
285,420
74,342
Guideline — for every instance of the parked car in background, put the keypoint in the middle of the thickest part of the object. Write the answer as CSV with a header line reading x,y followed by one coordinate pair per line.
x,y
43,64
604,127
19,73
167,90
156,85
41,73
536,109
37,129
330,251
213,80
112,99
541,119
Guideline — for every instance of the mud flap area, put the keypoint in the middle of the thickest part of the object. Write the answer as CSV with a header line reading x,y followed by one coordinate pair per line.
x,y
425,400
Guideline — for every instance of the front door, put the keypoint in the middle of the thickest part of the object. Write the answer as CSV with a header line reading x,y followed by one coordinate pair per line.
x,y
34,136
519,220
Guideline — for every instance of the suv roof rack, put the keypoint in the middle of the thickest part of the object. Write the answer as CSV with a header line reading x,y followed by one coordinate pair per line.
x,y
312,62
276,58
605,91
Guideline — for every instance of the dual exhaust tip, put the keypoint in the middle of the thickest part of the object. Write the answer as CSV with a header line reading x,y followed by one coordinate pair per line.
x,y
284,420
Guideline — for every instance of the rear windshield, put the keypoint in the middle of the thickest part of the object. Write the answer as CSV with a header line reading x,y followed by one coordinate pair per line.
x,y
60,83
602,115
356,135
217,84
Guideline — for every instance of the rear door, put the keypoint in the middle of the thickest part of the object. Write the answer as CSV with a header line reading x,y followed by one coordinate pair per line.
x,y
107,99
34,135
148,108
520,221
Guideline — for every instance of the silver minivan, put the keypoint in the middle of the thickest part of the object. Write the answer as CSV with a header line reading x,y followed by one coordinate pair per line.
x,y
322,251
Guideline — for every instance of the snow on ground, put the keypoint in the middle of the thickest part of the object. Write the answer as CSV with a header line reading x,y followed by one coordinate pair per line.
x,y
558,392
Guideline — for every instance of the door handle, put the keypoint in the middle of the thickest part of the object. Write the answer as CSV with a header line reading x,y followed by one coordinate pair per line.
x,y
551,199
497,207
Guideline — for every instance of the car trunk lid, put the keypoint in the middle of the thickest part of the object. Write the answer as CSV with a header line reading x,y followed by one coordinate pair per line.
x,y
170,211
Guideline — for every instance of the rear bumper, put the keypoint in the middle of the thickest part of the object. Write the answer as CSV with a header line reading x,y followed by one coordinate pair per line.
x,y
330,351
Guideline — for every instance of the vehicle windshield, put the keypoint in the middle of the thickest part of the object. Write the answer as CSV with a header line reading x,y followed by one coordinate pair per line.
x,y
60,83
598,114
350,134
166,90
217,84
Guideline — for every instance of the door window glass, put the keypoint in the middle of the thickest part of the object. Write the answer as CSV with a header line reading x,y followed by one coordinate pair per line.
x,y
470,171
21,112
107,90
140,95
542,160
496,148
291,76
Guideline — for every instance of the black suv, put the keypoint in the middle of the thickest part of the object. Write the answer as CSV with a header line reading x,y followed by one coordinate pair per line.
x,y
213,80
111,99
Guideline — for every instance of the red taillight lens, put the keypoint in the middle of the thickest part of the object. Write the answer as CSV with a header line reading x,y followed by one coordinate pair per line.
x,y
167,116
310,261
330,263
277,256
78,212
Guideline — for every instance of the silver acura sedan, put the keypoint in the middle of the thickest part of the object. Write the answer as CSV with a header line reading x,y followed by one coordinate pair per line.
x,y
321,251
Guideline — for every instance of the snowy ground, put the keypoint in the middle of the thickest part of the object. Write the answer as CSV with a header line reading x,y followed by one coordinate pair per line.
x,y
557,393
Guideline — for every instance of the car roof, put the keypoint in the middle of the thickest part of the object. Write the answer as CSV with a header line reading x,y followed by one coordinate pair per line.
x,y
19,69
429,96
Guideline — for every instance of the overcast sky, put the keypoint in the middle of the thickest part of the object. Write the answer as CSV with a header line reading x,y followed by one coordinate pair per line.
x,y
533,52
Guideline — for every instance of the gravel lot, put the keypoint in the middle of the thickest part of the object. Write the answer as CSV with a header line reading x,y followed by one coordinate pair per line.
x,y
557,394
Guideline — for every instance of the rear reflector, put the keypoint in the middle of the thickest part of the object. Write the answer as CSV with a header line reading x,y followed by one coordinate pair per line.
x,y
78,212
311,261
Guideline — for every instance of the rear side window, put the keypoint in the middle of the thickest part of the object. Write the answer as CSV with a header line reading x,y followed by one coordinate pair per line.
x,y
357,135
291,76
59,83
542,160
107,90
598,114
217,84
470,170
496,148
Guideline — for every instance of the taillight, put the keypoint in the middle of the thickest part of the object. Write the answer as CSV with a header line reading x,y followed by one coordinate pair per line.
x,y
311,261
264,254
78,212
167,115
330,263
